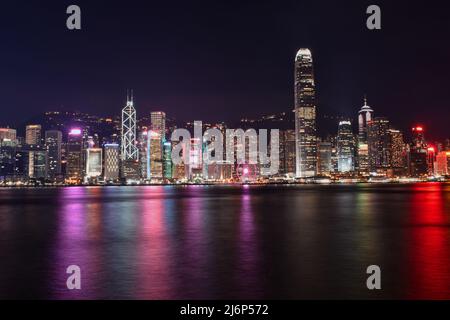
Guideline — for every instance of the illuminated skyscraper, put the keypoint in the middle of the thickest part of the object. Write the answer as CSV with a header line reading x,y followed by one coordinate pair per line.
x,y
33,134
418,153
74,167
305,115
93,162
112,155
397,152
158,121
325,149
53,141
378,139
130,151
128,133
365,116
156,155
345,147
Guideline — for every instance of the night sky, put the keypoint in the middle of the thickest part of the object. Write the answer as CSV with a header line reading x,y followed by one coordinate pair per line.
x,y
221,60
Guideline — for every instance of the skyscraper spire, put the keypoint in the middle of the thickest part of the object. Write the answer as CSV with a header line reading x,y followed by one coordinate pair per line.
x,y
365,100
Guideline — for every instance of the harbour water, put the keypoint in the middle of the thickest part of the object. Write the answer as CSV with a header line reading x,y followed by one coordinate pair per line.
x,y
220,242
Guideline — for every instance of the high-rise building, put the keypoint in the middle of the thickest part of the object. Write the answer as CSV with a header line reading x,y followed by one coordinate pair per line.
x,y
37,161
167,160
345,147
130,151
287,153
397,152
33,134
378,140
418,153
93,163
156,156
53,141
305,115
325,149
365,116
442,164
158,123
74,166
112,161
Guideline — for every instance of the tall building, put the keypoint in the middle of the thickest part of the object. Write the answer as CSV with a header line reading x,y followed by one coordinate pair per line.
x,y
130,151
442,164
378,140
93,163
397,152
158,123
418,153
53,141
345,147
37,161
112,162
74,166
325,149
33,134
305,115
167,160
365,116
156,155
287,153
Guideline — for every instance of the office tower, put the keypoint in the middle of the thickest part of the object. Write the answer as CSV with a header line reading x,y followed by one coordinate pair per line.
x,y
33,134
53,141
325,149
37,161
74,166
289,153
112,161
345,147
378,140
418,153
158,123
156,156
93,163
8,136
442,164
144,153
365,116
167,160
397,152
305,115
130,152
195,160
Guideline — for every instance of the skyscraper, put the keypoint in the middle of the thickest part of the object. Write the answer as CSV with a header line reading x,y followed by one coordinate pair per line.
x,y
325,165
158,123
418,157
33,134
379,138
305,115
112,155
397,152
365,116
130,151
53,141
74,167
93,163
345,147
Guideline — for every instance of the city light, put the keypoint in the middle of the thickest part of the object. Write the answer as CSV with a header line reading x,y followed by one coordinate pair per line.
x,y
75,132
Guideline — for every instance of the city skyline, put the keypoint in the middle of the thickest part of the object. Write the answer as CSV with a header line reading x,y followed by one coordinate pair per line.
x,y
211,80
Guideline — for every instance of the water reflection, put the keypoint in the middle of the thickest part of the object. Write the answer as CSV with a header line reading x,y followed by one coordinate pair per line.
x,y
203,242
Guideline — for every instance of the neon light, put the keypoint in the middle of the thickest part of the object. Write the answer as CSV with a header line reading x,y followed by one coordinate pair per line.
x,y
75,132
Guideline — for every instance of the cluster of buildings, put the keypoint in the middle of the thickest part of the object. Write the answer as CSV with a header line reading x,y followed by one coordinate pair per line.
x,y
74,148
376,152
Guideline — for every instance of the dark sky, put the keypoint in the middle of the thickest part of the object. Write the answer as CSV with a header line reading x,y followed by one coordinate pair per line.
x,y
225,59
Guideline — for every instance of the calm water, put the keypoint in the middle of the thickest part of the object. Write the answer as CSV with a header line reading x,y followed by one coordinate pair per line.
x,y
213,242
